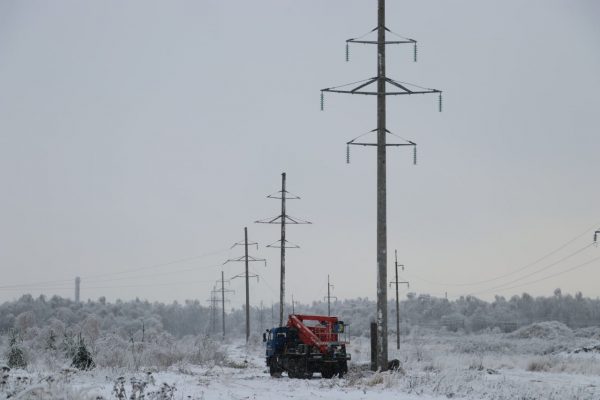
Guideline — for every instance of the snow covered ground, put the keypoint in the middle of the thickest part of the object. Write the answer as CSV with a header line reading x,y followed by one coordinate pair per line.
x,y
541,362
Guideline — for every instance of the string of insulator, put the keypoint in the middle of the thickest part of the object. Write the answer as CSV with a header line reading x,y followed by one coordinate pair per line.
x,y
440,102
347,52
322,101
415,53
415,155
347,154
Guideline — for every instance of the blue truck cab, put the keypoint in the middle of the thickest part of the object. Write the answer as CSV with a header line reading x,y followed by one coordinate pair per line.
x,y
276,339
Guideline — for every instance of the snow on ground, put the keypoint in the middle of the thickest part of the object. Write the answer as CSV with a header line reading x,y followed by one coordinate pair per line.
x,y
435,365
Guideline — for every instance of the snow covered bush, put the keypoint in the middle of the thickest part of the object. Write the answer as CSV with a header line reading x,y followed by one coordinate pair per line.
x,y
15,356
83,359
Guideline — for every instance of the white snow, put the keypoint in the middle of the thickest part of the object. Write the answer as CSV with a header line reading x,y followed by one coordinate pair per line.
x,y
434,366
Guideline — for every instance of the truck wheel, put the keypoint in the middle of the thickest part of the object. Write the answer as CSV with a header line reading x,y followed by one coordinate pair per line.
x,y
275,371
327,372
342,368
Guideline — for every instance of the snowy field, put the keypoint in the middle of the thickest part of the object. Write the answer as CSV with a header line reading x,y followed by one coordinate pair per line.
x,y
542,361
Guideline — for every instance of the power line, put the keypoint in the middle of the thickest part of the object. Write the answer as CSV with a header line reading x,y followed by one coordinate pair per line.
x,y
91,278
544,268
160,265
183,283
547,255
547,277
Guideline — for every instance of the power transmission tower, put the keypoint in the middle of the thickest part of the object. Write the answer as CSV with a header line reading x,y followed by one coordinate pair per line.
x,y
246,259
282,243
77,289
213,310
396,282
222,290
398,88
329,296
261,317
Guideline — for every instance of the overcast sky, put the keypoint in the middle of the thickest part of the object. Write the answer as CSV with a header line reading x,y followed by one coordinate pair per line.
x,y
139,133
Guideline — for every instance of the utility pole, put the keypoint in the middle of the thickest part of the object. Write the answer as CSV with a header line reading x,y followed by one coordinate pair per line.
x,y
213,310
261,318
396,282
246,259
596,236
282,243
399,88
77,289
329,296
223,291
293,305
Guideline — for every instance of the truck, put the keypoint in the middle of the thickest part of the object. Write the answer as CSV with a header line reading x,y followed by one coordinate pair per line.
x,y
308,344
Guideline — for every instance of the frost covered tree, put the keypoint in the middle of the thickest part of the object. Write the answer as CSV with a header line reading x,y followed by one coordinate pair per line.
x,y
68,346
51,341
83,358
15,356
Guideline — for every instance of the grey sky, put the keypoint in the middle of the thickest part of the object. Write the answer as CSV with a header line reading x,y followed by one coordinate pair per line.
x,y
141,132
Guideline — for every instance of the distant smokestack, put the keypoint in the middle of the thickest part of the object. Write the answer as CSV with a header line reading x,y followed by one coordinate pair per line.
x,y
77,284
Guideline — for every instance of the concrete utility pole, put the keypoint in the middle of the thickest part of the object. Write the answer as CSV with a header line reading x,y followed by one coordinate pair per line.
x,y
223,299
282,220
400,88
382,348
213,310
396,282
246,259
329,296
77,289
261,318
223,291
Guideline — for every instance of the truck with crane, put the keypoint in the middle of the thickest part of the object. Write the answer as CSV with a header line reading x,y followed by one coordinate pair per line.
x,y
307,344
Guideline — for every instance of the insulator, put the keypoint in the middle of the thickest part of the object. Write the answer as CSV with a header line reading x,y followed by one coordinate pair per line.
x,y
347,52
415,52
414,155
440,102
322,101
347,154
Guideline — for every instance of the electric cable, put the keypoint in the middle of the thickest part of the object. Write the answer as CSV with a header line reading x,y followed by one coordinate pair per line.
x,y
547,255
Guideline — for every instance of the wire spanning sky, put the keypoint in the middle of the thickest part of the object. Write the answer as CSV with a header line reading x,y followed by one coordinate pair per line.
x,y
138,138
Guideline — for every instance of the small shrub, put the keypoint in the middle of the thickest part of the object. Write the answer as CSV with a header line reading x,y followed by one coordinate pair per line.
x,y
15,356
539,365
83,358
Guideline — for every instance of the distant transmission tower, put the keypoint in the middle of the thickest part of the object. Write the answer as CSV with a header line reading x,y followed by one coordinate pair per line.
x,y
213,310
329,296
223,291
77,289
283,219
396,282
247,259
397,88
